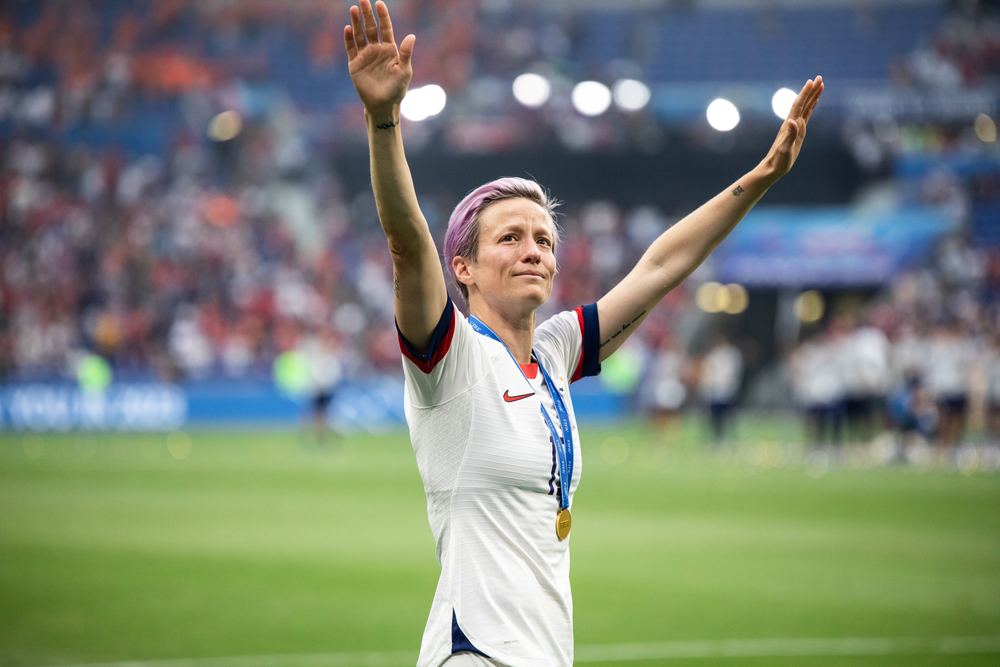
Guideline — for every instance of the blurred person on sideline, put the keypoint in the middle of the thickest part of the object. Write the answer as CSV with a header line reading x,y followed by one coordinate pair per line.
x,y
914,413
907,353
866,380
947,370
665,385
719,381
817,385
487,397
992,361
322,352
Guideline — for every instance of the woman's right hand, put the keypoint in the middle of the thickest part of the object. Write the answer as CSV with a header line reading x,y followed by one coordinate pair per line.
x,y
380,71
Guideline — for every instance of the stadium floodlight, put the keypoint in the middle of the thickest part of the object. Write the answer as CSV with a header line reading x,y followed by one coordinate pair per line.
x,y
532,90
631,95
738,299
422,103
986,129
591,98
809,306
782,101
225,126
712,297
722,115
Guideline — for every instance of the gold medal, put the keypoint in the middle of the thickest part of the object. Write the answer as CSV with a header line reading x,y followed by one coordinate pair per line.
x,y
563,523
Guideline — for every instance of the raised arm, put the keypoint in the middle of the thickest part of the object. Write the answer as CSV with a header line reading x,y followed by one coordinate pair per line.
x,y
381,74
681,249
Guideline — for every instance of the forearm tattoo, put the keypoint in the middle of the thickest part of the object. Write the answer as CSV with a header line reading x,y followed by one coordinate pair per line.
x,y
387,126
738,191
624,327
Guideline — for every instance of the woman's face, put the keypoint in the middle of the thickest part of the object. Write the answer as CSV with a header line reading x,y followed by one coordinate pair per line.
x,y
516,261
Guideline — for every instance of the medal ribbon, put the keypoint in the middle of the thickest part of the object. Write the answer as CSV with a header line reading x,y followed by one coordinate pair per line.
x,y
563,445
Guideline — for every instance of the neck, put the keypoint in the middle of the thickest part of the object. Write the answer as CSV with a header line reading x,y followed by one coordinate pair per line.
x,y
517,331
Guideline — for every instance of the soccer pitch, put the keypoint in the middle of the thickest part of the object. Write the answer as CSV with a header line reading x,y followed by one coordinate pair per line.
x,y
266,544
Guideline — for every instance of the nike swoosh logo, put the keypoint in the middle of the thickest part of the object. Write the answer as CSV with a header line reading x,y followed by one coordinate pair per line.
x,y
510,399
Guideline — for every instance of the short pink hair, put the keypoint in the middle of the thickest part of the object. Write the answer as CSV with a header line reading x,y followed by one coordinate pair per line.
x,y
462,237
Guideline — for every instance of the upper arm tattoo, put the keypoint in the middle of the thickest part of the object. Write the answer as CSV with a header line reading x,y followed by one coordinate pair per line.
x,y
395,283
624,327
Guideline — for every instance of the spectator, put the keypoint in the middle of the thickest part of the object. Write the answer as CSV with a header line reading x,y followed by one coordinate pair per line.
x,y
866,380
817,385
719,384
949,366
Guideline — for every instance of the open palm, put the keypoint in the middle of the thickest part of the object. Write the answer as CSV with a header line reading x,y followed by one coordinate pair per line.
x,y
380,71
788,143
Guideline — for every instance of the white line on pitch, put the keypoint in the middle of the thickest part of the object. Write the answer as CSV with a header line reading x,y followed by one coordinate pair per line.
x,y
722,648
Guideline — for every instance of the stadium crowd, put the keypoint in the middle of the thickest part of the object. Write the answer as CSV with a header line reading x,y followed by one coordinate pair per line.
x,y
159,267
144,263
209,259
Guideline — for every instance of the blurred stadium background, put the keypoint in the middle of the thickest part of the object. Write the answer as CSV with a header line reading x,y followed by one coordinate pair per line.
x,y
200,378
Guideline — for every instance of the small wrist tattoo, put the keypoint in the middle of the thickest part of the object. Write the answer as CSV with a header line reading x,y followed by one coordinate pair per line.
x,y
387,126
738,191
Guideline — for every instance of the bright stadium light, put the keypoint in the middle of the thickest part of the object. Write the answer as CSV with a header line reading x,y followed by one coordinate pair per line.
x,y
225,126
738,299
711,297
986,129
422,103
809,306
532,90
631,95
591,98
782,101
722,115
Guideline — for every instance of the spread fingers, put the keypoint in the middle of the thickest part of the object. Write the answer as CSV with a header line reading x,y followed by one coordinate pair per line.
x,y
352,48
358,28
384,24
371,26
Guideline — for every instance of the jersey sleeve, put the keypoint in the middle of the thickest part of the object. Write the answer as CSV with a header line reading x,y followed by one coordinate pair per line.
x,y
573,336
453,364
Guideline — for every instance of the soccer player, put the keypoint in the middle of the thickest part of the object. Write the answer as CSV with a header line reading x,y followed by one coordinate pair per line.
x,y
487,398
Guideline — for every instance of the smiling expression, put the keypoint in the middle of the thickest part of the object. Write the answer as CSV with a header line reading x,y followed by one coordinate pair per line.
x,y
516,260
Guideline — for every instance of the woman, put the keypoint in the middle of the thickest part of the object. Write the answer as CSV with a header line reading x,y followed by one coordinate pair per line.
x,y
487,399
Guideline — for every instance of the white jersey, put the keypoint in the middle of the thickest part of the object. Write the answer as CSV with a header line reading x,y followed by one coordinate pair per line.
x,y
721,374
490,474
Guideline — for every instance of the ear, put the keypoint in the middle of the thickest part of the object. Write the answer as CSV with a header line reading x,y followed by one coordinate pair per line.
x,y
461,266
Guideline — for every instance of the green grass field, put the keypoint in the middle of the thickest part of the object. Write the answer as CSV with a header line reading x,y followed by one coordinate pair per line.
x,y
112,549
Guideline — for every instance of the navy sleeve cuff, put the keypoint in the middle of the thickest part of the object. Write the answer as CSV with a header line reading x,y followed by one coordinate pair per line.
x,y
591,363
440,341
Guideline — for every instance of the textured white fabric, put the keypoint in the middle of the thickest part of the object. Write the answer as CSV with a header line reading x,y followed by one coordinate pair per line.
x,y
470,660
488,470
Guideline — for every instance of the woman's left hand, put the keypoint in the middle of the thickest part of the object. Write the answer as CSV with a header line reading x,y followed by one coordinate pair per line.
x,y
788,143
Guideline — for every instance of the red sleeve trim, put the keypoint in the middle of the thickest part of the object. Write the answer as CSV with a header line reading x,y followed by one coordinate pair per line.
x,y
440,342
578,373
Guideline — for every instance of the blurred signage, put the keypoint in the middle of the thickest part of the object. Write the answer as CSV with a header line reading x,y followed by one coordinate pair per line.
x,y
370,405
918,105
827,246
374,404
127,407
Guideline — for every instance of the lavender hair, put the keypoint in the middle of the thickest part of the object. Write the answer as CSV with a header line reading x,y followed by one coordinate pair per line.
x,y
462,237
